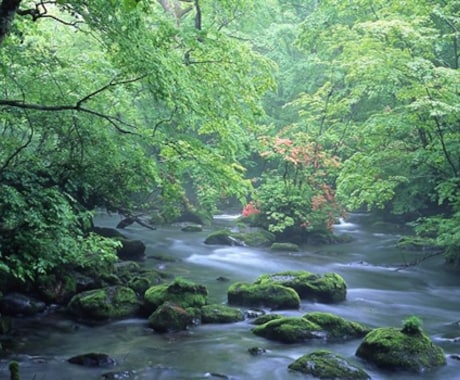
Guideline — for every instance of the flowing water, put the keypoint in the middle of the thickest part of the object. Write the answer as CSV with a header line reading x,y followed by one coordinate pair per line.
x,y
380,293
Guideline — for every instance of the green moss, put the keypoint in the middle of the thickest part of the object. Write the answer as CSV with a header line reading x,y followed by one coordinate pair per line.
x,y
14,371
270,295
288,330
327,365
107,303
180,292
259,238
169,317
266,318
220,314
391,349
337,327
329,288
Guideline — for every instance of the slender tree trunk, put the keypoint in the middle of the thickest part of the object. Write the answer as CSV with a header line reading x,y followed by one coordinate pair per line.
x,y
8,9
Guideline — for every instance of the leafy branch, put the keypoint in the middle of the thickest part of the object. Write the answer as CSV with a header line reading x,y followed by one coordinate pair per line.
x,y
116,121
41,11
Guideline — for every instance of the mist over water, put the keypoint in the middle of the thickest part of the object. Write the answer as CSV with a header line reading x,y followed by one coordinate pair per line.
x,y
381,292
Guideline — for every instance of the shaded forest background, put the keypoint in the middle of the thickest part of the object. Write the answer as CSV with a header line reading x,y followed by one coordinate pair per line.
x,y
299,110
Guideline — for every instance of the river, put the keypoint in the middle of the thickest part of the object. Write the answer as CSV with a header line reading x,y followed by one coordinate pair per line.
x,y
380,293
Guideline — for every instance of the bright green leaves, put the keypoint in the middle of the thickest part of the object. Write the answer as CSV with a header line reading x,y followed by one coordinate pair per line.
x,y
40,229
129,5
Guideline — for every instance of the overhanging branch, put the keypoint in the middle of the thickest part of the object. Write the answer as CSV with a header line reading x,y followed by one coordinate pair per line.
x,y
116,121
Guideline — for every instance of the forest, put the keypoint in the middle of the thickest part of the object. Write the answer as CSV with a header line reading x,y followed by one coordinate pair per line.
x,y
296,112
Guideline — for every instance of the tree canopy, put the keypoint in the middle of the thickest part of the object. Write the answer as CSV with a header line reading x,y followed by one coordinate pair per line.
x,y
169,104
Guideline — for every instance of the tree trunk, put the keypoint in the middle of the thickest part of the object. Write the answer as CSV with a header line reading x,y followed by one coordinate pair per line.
x,y
8,9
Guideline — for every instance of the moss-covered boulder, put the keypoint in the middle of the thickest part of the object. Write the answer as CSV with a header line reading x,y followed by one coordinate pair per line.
x,y
220,314
170,317
272,295
251,238
266,318
289,330
180,292
107,303
392,349
337,327
327,288
192,228
324,364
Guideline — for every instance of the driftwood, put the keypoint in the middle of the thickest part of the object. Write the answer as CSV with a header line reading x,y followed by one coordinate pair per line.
x,y
134,219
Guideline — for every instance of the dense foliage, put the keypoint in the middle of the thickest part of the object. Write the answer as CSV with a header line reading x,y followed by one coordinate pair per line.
x,y
171,105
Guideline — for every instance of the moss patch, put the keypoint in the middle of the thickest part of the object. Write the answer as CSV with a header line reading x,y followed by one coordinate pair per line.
x,y
181,292
106,303
391,349
271,295
288,330
329,288
327,365
337,327
220,314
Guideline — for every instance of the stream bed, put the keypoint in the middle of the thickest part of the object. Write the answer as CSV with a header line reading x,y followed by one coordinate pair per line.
x,y
381,293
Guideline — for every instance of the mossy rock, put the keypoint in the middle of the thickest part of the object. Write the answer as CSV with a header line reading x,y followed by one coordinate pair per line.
x,y
289,330
285,247
266,318
222,237
324,364
170,317
192,228
391,349
257,238
107,303
272,295
126,269
220,314
328,288
181,292
337,327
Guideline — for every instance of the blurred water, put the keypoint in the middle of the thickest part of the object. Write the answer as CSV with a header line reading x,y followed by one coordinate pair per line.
x,y
380,293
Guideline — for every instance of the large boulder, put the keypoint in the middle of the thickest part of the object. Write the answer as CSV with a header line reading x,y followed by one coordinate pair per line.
x,y
272,295
337,327
170,317
107,303
216,313
289,330
327,288
394,349
324,364
180,292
